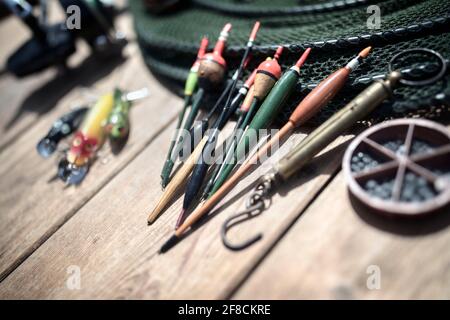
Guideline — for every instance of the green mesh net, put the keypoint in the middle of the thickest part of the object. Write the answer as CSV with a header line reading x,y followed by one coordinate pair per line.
x,y
335,30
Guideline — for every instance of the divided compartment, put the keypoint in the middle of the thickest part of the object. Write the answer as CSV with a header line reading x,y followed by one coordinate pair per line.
x,y
408,172
416,188
380,182
420,146
392,139
437,166
367,156
426,140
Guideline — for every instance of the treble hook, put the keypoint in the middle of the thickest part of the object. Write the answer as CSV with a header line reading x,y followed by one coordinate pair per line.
x,y
254,207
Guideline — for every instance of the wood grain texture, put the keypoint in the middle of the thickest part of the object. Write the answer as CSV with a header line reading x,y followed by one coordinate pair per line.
x,y
317,243
33,205
13,91
329,252
26,101
177,182
109,240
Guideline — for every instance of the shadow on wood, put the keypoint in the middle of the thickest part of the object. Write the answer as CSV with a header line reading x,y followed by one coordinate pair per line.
x,y
317,166
117,145
406,226
47,96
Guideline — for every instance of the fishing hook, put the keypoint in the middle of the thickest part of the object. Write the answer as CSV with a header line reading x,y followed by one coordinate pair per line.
x,y
255,205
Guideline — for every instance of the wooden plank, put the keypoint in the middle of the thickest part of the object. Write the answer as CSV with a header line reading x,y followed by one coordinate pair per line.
x,y
12,90
32,205
116,252
335,248
25,101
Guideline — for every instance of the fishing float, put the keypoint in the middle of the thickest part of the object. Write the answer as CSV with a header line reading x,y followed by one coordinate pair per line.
x,y
269,109
199,128
190,87
272,103
201,168
211,73
316,99
309,106
267,73
179,179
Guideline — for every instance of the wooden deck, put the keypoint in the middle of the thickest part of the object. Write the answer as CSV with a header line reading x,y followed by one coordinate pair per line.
x,y
316,243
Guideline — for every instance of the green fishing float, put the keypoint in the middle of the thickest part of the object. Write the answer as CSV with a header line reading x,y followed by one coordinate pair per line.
x,y
211,74
190,87
267,74
269,109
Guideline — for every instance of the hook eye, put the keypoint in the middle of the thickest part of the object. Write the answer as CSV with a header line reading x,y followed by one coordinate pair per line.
x,y
236,219
415,72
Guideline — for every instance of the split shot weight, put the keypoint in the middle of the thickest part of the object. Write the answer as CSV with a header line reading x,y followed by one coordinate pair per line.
x,y
400,167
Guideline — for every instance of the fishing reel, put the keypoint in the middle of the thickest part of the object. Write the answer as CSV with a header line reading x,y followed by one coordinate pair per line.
x,y
160,6
51,45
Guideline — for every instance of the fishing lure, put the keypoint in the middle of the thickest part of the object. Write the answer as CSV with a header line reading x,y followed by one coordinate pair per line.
x,y
201,168
87,140
118,123
61,128
107,117
211,74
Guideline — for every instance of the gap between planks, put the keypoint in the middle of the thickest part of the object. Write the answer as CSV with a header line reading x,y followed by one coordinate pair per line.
x,y
27,221
229,295
33,206
116,251
339,254
26,100
74,210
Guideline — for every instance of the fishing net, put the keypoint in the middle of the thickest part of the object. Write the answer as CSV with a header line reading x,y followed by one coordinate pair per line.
x,y
335,30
